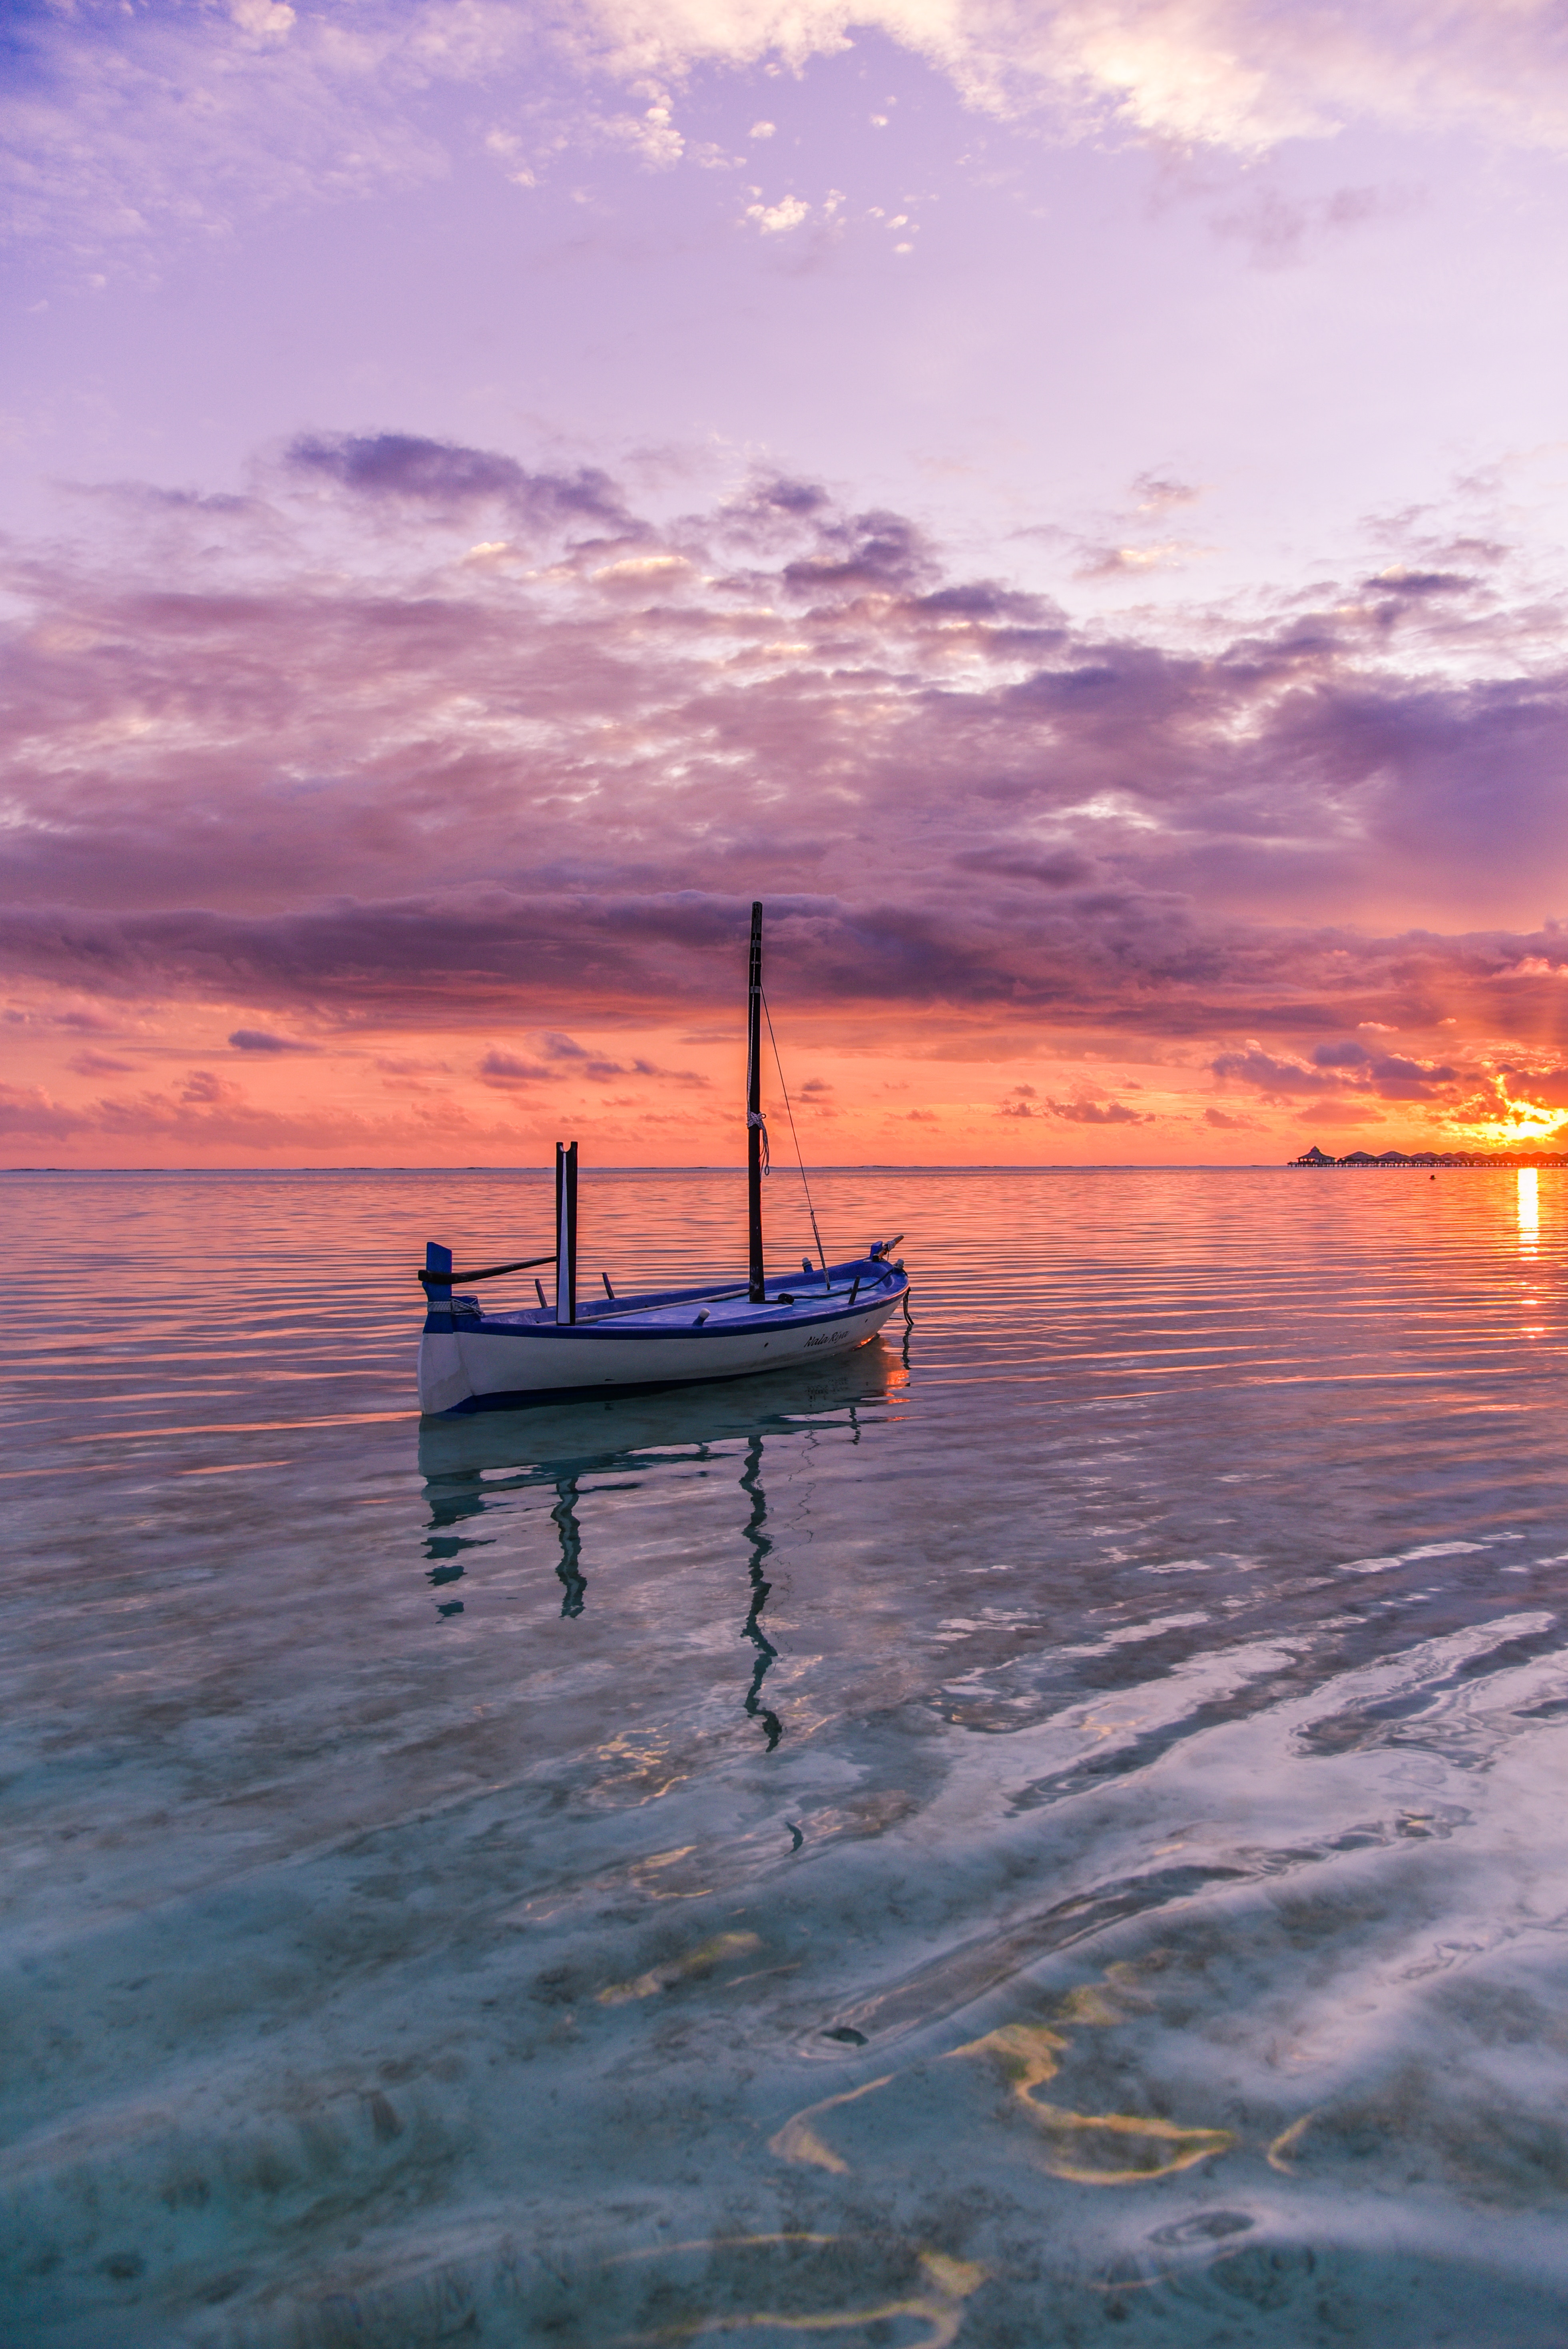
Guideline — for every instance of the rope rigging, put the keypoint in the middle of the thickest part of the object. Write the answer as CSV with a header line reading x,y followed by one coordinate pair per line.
x,y
805,1185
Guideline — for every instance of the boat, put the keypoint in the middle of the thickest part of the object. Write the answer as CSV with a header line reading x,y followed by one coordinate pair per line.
x,y
472,1360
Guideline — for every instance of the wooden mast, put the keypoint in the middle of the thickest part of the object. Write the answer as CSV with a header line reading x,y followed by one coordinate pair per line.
x,y
753,1107
565,1234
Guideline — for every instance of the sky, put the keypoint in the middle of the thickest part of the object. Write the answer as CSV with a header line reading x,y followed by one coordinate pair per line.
x,y
1065,504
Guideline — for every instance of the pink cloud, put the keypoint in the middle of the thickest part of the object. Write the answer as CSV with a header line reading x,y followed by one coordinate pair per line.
x,y
1091,1112
1096,834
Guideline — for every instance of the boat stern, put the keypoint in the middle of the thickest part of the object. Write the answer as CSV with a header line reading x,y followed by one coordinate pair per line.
x,y
444,1383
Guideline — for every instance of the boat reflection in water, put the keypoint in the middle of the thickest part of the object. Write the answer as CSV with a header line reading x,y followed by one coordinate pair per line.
x,y
469,1464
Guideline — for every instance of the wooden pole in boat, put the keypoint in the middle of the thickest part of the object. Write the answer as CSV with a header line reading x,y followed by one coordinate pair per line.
x,y
438,1290
565,1231
753,1107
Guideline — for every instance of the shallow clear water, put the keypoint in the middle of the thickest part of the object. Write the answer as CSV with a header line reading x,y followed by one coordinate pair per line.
x,y
1056,1830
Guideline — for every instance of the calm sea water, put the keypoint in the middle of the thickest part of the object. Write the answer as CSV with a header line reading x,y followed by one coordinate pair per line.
x,y
1055,1831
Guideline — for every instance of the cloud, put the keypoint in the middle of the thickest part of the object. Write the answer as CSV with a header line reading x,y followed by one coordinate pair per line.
x,y
269,20
988,600
1089,1112
1278,231
1274,1079
505,1068
1061,868
770,500
126,128
1546,1087
879,549
567,1057
205,1121
263,1039
407,794
1237,74
603,1071
444,476
131,128
1133,562
777,219
1160,493
1337,1068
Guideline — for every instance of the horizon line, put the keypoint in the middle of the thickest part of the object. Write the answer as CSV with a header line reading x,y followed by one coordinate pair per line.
x,y
857,1167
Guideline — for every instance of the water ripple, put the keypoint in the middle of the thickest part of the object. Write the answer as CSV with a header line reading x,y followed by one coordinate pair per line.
x,y
446,1865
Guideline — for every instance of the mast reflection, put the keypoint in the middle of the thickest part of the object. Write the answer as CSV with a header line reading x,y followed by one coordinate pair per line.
x,y
474,1466
760,1545
569,1572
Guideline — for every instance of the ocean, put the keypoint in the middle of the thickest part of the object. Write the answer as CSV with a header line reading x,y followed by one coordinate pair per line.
x,y
1054,1829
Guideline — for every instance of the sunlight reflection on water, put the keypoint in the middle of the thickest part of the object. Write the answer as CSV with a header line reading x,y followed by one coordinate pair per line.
x,y
1049,1827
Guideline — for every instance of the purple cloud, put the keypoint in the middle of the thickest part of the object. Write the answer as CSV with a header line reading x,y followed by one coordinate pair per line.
x,y
1274,1079
868,551
505,1068
1337,1068
443,475
263,1039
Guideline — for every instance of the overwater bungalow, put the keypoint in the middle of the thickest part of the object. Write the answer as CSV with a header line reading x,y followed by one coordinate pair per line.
x,y
1316,1157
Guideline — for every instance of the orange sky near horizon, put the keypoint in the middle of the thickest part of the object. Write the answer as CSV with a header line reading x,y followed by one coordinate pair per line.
x,y
111,1085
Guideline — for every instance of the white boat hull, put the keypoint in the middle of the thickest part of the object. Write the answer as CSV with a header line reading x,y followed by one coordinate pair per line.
x,y
482,1362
